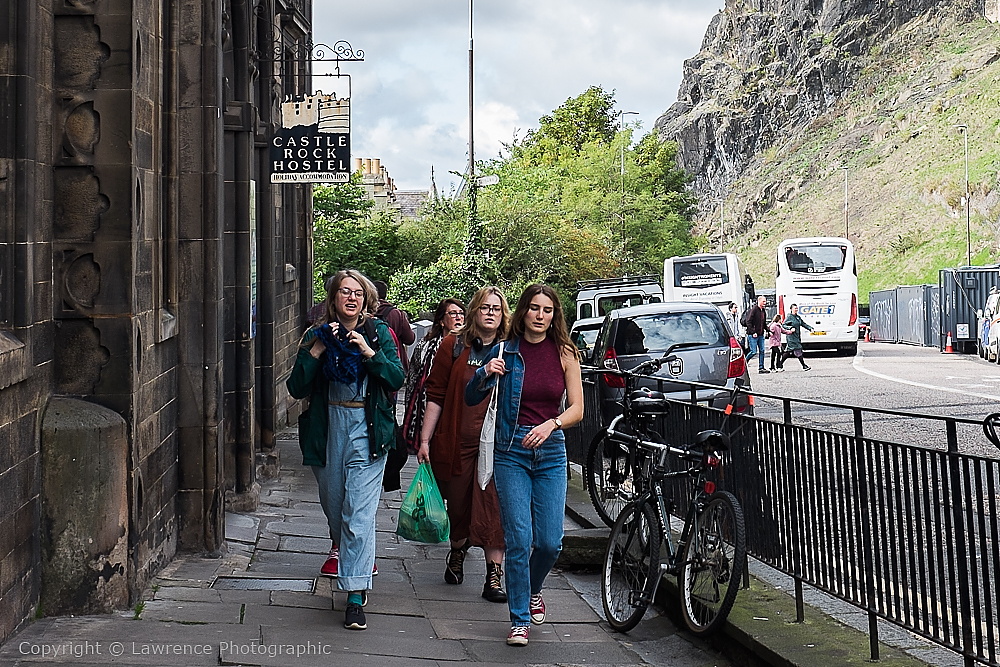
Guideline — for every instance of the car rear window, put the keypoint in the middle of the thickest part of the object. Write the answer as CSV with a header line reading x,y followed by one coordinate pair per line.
x,y
587,333
656,333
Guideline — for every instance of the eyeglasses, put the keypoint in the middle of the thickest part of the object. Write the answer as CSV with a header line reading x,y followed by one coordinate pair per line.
x,y
455,313
347,291
486,309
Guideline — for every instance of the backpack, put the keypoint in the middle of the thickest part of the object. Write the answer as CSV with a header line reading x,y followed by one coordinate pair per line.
x,y
745,318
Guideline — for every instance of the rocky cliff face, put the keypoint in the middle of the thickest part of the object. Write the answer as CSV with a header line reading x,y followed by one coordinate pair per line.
x,y
769,68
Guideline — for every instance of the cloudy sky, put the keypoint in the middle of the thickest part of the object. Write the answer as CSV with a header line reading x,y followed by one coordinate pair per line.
x,y
410,95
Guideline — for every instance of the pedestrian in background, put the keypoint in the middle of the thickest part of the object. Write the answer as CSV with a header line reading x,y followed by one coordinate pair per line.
x,y
793,338
449,439
397,320
539,367
733,317
448,318
348,367
774,342
756,321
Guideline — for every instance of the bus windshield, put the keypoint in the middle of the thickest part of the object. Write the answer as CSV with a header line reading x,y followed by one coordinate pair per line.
x,y
701,272
815,258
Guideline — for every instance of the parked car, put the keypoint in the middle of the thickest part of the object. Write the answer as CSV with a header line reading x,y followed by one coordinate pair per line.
x,y
584,334
632,335
864,321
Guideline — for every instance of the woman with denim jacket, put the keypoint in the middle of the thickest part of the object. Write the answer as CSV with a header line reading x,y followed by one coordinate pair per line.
x,y
347,365
539,367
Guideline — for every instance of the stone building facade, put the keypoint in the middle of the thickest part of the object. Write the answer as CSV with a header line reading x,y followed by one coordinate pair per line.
x,y
153,284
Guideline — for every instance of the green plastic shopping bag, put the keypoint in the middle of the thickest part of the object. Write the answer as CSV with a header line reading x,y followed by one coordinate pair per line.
x,y
422,517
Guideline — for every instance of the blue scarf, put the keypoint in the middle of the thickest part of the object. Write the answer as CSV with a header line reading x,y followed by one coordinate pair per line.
x,y
343,359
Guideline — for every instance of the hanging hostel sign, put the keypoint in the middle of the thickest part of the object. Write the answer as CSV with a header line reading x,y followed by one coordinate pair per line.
x,y
313,144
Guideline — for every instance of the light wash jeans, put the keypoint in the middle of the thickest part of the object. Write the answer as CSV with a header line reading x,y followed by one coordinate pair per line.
x,y
756,344
532,489
350,486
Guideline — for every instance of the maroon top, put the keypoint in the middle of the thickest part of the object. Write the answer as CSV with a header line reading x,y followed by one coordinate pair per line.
x,y
544,382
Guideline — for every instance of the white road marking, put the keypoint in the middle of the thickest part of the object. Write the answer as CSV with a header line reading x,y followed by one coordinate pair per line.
x,y
857,363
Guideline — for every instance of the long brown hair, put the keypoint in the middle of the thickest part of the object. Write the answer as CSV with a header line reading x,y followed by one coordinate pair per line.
x,y
557,329
333,284
437,328
470,330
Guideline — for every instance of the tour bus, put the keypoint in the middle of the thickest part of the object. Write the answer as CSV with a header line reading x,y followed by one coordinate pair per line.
x,y
820,275
707,278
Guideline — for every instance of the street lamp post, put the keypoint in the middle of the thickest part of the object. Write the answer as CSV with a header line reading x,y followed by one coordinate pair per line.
x,y
847,222
964,129
722,225
473,252
621,127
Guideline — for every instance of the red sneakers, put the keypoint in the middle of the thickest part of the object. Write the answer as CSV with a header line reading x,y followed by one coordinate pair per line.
x,y
537,608
518,636
332,565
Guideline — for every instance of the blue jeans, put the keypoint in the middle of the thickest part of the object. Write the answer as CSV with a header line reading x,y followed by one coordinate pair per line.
x,y
531,484
756,344
350,485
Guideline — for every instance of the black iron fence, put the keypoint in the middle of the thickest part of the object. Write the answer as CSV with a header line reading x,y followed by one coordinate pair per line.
x,y
907,533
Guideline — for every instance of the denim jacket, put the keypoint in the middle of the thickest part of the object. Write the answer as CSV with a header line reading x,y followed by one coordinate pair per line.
x,y
509,400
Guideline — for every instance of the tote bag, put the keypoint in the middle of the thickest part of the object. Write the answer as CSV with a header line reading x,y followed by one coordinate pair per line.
x,y
487,437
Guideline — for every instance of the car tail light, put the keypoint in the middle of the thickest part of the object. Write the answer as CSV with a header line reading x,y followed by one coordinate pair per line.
x,y
611,362
709,487
737,363
781,307
854,310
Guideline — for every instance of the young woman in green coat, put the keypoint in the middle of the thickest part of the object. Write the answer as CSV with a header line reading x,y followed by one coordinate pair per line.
x,y
348,366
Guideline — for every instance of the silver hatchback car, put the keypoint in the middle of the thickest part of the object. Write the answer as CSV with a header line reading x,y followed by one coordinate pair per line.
x,y
630,336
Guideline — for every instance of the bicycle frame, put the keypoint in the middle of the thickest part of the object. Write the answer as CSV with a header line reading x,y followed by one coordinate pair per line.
x,y
657,473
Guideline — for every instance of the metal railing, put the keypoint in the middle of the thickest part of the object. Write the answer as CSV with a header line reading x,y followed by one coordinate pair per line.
x,y
908,533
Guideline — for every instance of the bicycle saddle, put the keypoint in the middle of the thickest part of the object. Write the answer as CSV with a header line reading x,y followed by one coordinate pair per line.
x,y
711,440
646,401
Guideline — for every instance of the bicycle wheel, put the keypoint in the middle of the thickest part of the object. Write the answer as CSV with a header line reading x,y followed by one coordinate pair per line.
x,y
714,558
610,481
631,565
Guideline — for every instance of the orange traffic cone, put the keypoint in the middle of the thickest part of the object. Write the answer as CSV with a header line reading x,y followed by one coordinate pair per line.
x,y
948,349
868,331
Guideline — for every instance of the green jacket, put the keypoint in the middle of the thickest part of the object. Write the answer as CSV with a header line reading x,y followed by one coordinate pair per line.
x,y
385,376
793,341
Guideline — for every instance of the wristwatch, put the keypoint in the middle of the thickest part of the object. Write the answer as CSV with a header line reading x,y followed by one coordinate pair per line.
x,y
558,422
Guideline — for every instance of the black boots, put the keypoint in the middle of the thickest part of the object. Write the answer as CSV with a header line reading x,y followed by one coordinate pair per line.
x,y
493,588
454,572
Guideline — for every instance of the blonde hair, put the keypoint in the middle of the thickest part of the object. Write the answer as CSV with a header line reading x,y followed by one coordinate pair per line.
x,y
368,306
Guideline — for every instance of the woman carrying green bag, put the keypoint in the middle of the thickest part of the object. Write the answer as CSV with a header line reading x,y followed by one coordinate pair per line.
x,y
450,437
348,366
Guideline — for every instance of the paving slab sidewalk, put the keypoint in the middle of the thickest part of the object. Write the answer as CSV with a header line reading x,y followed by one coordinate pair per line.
x,y
263,603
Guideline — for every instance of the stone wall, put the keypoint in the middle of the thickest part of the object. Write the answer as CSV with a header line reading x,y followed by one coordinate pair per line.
x,y
133,198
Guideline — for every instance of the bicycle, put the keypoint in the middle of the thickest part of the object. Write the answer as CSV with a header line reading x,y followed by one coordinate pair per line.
x,y
709,554
611,458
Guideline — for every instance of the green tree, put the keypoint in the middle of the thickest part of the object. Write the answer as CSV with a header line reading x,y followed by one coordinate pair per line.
x,y
348,233
562,212
580,120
